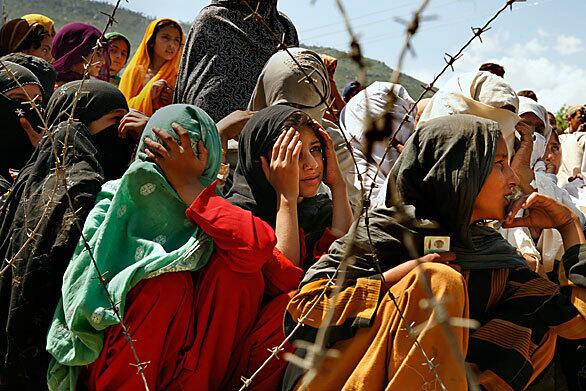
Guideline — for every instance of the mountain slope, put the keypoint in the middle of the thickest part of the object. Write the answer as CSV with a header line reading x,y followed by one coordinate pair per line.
x,y
133,25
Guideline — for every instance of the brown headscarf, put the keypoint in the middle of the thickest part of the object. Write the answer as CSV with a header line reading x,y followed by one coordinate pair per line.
x,y
13,34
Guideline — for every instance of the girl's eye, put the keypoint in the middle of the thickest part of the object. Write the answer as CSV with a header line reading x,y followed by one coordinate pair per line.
x,y
316,150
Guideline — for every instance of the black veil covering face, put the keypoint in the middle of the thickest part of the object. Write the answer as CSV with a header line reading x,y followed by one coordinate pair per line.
x,y
97,98
15,148
30,288
41,69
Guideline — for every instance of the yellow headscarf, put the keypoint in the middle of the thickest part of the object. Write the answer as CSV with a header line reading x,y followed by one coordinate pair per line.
x,y
131,84
44,21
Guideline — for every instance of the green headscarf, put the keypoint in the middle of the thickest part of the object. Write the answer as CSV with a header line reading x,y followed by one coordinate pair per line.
x,y
137,230
113,35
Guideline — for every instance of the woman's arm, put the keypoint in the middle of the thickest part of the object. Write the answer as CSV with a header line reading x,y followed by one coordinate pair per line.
x,y
283,174
395,274
521,162
248,240
545,212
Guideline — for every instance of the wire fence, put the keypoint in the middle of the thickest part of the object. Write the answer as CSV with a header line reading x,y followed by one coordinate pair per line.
x,y
377,129
63,184
316,352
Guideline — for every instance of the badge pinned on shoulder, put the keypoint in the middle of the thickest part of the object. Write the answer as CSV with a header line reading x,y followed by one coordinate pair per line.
x,y
436,244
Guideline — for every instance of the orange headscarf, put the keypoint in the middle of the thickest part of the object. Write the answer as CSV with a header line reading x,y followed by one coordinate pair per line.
x,y
336,101
131,84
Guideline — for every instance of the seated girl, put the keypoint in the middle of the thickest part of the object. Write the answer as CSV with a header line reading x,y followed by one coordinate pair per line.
x,y
202,316
38,226
149,79
454,173
282,82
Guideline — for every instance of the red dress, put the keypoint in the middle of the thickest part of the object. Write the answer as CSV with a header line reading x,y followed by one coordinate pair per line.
x,y
204,330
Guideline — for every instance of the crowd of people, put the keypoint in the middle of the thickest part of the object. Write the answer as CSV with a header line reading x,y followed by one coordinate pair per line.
x,y
171,211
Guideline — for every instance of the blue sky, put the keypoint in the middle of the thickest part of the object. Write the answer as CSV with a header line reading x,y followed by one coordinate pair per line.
x,y
540,43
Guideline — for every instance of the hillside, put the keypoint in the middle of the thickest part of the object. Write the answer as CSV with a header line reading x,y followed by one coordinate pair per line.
x,y
347,71
133,25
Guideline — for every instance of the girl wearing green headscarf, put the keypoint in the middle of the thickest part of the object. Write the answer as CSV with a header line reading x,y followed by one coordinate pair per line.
x,y
139,238
118,50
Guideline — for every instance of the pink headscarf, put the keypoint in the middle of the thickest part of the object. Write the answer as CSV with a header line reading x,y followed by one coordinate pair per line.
x,y
72,42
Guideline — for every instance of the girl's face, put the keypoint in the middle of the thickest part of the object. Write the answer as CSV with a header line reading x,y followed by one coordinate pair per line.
x,y
492,203
118,55
43,51
553,155
311,163
97,62
167,43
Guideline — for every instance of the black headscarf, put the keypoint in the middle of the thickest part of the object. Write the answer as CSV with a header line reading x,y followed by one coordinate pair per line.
x,y
251,189
41,69
15,148
97,98
439,175
30,289
450,158
225,53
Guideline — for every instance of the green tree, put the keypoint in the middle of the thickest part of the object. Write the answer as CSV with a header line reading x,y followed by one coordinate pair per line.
x,y
560,117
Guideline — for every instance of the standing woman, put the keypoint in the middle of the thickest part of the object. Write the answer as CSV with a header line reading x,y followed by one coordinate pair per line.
x,y
30,285
226,52
148,81
72,49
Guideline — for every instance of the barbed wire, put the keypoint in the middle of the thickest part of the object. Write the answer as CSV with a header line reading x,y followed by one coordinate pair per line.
x,y
449,60
315,353
396,200
62,180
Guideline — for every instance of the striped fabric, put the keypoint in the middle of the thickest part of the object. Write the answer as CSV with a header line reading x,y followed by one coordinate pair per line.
x,y
521,316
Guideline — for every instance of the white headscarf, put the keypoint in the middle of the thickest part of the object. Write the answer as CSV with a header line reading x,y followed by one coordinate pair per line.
x,y
282,82
527,105
478,93
370,103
